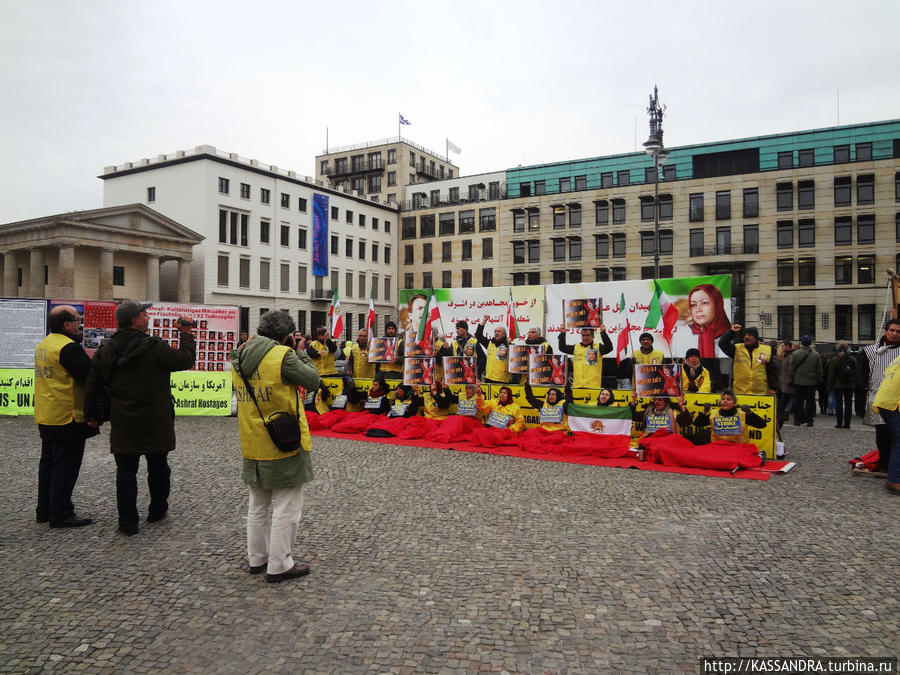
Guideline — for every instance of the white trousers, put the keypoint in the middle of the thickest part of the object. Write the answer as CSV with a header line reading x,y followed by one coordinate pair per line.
x,y
273,517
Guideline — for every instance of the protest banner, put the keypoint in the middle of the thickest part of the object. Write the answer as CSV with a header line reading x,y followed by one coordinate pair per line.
x,y
419,371
460,370
200,393
23,324
547,369
215,334
656,380
17,391
98,321
583,312
413,349
383,350
518,358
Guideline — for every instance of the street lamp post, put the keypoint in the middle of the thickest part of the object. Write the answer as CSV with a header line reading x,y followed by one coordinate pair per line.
x,y
655,148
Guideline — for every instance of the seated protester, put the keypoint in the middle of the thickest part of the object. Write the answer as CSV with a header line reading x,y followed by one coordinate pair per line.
x,y
322,351
405,407
350,398
376,403
606,397
436,407
660,415
729,423
458,426
505,420
497,363
553,425
394,369
587,357
694,377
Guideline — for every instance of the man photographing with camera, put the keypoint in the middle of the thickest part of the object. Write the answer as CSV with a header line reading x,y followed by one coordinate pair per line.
x,y
132,370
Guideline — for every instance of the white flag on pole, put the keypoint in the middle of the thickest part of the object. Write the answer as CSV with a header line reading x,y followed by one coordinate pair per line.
x,y
453,147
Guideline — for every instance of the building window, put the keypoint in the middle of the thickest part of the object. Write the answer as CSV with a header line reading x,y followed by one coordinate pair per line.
x,y
285,200
785,322
670,172
751,239
540,187
865,189
362,219
601,212
426,254
524,189
244,272
665,207
559,217
786,160
841,154
806,233
348,247
784,196
575,276
467,278
843,270
285,277
843,231
806,272
387,226
374,251
151,194
618,211
118,275
601,274
223,226
446,251
264,278
806,316
618,274
335,214
466,221
842,191
334,244
843,322
264,231
648,212
897,227
392,156
786,272
618,241
866,319
301,278
865,269
391,178
301,238
606,179
565,184
387,288
446,279
559,248
487,276
863,152
361,284
447,224
375,224
581,182
245,191
518,279
650,175
285,235
574,248
301,204
534,219
695,210
224,185
518,221
222,278
806,157
374,183
494,190
575,215
648,243
623,178
408,280
467,249
487,219
601,246
264,195
696,242
559,276
487,249
427,280
408,255
362,249
723,241
426,226
806,194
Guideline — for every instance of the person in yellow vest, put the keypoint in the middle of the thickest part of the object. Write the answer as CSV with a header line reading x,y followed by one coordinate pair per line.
x,y
504,420
497,362
730,422
587,357
322,351
357,354
694,377
465,344
660,415
394,369
887,405
273,365
441,349
61,368
754,370
646,354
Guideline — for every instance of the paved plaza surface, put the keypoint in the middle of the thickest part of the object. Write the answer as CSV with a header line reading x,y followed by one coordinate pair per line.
x,y
438,561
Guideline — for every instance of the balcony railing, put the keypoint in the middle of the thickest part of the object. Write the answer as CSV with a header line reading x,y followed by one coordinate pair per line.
x,y
428,171
424,201
730,249
321,294
365,166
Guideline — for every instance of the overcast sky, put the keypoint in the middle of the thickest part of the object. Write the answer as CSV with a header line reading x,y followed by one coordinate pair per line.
x,y
92,83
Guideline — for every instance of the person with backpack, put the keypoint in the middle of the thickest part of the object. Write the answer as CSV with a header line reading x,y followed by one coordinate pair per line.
x,y
805,375
842,381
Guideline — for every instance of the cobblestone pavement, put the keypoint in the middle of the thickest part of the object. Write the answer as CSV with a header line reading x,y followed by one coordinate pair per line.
x,y
444,562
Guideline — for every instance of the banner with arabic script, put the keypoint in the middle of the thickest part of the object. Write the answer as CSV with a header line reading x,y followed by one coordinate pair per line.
x,y
197,393
17,391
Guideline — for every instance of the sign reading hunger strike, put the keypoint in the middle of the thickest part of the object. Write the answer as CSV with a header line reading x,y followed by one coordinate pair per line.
x,y
657,379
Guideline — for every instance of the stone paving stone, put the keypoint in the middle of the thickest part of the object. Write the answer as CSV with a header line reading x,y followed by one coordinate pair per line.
x,y
443,562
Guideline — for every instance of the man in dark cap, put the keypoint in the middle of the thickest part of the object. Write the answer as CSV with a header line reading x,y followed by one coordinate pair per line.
x,y
805,375
694,377
394,369
465,344
135,368
753,370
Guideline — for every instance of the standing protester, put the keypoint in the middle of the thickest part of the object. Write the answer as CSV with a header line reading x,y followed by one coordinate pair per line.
x,y
135,368
805,375
465,344
694,377
753,370
785,388
358,366
842,381
873,362
886,403
497,362
587,357
60,370
394,369
275,364
322,351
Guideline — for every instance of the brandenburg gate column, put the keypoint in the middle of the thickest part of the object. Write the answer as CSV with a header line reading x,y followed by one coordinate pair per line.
x,y
11,274
184,280
36,273
152,293
66,272
105,277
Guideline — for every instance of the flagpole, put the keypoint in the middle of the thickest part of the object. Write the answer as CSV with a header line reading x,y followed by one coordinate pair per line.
x,y
399,128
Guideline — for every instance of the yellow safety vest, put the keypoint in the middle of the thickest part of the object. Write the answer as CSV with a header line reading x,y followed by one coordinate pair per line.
x,y
742,437
362,369
587,366
431,408
471,342
438,361
58,398
325,362
562,425
750,378
655,356
702,381
396,366
272,396
497,367
888,395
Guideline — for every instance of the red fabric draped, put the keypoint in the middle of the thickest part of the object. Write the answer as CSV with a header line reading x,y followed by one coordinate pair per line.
x,y
325,420
674,450
453,428
586,444
538,440
391,425
491,437
418,427
355,422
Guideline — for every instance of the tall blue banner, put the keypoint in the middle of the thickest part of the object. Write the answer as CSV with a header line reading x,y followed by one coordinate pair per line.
x,y
320,235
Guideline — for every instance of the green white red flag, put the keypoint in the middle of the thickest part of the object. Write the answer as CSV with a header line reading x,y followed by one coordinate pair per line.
x,y
337,319
622,339
512,325
661,308
430,317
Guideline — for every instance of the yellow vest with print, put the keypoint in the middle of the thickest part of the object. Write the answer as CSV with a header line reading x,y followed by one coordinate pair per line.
x,y
702,381
742,437
438,361
432,410
325,363
888,395
513,410
750,378
396,366
272,396
655,356
470,342
58,398
587,366
497,368
362,369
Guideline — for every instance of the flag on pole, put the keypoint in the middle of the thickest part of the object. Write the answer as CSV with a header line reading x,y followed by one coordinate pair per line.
x,y
403,120
370,318
595,419
453,147
624,328
337,319
430,316
661,307
512,325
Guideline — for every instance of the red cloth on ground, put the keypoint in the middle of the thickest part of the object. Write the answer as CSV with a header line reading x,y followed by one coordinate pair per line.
x,y
453,428
356,423
392,425
674,450
869,460
492,437
586,444
312,421
326,420
418,427
539,440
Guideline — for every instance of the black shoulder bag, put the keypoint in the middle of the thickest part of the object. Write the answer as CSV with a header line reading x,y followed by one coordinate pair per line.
x,y
283,428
